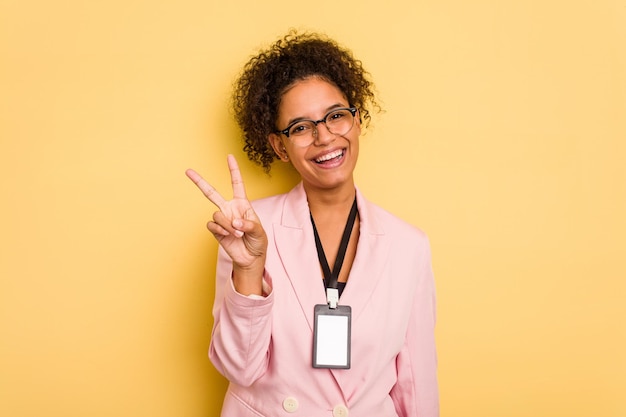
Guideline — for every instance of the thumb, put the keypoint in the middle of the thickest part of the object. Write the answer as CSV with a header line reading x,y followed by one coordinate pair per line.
x,y
249,224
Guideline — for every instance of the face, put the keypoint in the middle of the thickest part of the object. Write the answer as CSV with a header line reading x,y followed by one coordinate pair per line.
x,y
329,162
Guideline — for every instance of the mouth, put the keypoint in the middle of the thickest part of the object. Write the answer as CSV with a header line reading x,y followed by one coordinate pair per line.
x,y
330,157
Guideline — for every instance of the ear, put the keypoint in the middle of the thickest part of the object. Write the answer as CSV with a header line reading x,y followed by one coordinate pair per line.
x,y
357,121
278,146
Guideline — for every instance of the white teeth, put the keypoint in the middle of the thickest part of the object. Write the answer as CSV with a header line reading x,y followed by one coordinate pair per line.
x,y
329,156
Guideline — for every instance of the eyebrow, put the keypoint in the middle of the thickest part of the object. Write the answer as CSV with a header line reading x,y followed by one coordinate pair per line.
x,y
328,110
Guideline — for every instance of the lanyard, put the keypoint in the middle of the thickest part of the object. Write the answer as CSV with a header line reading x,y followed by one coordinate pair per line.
x,y
331,277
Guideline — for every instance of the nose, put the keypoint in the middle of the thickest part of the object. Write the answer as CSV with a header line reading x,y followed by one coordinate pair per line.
x,y
322,135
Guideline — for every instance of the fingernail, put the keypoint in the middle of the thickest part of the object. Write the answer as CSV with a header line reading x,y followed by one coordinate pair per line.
x,y
237,223
238,233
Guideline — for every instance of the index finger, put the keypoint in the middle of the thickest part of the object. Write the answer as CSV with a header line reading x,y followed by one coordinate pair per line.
x,y
206,188
239,190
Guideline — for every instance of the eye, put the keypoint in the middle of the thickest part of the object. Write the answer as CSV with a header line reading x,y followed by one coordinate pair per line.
x,y
336,115
300,128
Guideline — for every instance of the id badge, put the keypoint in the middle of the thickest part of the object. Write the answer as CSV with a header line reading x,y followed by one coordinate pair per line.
x,y
331,337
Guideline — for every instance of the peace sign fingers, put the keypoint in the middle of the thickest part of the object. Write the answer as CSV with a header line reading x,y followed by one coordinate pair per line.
x,y
235,225
206,188
239,190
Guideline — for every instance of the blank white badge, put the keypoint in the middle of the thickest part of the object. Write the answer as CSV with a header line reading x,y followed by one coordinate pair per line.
x,y
331,337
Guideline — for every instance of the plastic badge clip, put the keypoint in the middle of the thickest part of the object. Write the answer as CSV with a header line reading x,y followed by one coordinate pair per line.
x,y
332,296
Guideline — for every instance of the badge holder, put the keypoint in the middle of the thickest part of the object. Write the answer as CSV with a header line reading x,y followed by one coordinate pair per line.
x,y
331,346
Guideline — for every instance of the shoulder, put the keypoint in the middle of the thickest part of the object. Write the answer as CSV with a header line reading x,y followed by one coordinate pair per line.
x,y
290,209
385,222
268,203
407,243
269,209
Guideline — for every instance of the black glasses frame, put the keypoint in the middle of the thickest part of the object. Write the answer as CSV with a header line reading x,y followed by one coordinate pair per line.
x,y
316,122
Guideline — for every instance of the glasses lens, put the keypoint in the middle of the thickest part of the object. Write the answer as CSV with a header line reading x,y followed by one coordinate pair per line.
x,y
340,121
302,134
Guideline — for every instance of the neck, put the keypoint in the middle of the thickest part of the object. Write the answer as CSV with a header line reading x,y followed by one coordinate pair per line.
x,y
323,203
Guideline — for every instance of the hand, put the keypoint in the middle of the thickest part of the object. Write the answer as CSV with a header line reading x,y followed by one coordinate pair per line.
x,y
235,225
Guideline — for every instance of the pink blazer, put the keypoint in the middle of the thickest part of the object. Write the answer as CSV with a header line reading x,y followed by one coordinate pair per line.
x,y
263,345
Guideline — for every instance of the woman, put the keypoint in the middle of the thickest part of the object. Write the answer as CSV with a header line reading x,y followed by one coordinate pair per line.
x,y
281,337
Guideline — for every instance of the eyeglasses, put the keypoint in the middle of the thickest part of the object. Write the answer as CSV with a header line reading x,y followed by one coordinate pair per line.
x,y
303,132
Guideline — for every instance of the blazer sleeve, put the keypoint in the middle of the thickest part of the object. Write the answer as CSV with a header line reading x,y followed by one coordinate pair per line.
x,y
416,392
241,335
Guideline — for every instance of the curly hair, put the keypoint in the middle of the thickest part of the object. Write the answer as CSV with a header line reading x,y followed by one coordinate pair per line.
x,y
265,78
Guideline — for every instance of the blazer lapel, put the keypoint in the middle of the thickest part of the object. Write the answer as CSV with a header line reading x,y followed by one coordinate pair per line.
x,y
371,255
295,244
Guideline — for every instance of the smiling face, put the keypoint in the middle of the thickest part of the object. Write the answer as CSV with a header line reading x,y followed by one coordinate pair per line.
x,y
329,162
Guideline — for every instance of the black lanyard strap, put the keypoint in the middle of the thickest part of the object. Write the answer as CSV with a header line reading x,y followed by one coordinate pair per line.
x,y
331,277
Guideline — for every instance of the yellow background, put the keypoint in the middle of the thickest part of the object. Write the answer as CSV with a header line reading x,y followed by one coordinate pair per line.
x,y
504,138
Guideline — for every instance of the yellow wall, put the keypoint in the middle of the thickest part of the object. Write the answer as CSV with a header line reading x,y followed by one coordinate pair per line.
x,y
504,138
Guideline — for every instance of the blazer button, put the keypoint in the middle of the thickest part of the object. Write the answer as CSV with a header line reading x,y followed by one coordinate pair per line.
x,y
340,411
290,405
